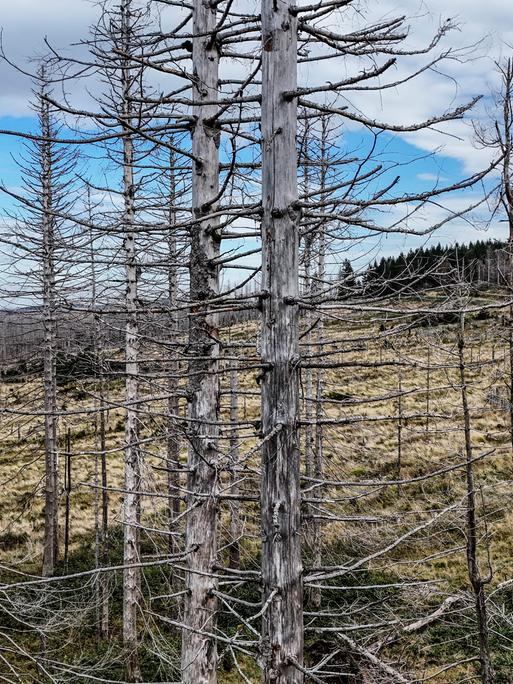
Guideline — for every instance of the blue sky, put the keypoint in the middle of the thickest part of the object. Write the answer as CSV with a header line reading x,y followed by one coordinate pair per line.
x,y
484,33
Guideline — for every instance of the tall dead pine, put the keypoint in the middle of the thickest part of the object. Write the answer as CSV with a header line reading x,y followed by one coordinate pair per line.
x,y
235,521
131,500
477,581
45,149
282,620
199,648
173,405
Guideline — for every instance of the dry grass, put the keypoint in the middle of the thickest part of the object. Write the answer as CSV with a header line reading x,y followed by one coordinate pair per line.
x,y
364,450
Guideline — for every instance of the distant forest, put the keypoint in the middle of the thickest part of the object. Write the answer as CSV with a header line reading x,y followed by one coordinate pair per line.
x,y
484,262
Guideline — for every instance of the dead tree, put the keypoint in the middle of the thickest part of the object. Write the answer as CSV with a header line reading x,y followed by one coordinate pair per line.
x,y
132,464
199,648
51,538
505,139
282,621
131,501
68,483
42,227
477,581
345,205
235,522
497,134
173,435
100,427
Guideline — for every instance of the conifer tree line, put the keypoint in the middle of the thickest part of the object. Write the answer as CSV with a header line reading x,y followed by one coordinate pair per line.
x,y
229,454
482,263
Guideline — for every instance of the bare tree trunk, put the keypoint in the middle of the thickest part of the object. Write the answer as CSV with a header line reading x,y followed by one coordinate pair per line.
x,y
428,385
311,533
308,400
104,528
476,580
399,426
510,335
131,500
67,488
104,541
51,534
308,392
235,529
282,621
100,442
132,465
199,649
507,193
316,594
173,440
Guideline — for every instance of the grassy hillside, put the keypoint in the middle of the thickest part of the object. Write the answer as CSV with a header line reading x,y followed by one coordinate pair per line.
x,y
371,408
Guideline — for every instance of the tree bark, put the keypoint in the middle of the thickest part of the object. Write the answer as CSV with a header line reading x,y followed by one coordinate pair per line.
x,y
282,622
173,438
199,649
235,528
102,524
131,502
51,533
67,488
476,580
507,192
315,593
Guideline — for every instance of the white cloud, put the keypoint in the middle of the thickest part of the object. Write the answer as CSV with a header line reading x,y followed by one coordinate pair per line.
x,y
484,31
25,24
431,177
487,26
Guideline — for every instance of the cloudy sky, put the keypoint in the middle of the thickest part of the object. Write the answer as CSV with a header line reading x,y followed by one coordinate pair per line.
x,y
484,33
25,23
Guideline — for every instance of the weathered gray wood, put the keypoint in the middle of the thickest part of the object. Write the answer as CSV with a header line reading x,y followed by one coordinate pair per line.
x,y
51,531
173,438
316,594
477,581
101,517
199,651
131,503
235,526
506,129
282,622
